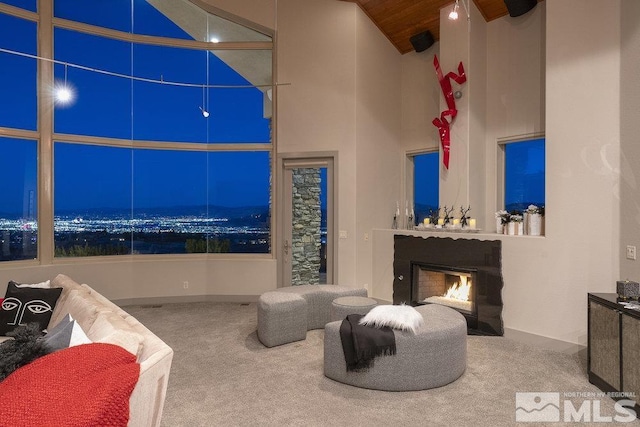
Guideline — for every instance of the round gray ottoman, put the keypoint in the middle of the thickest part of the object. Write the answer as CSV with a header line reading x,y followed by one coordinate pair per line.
x,y
436,355
343,306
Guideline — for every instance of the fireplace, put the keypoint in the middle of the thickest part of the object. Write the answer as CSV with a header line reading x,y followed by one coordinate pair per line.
x,y
436,284
463,274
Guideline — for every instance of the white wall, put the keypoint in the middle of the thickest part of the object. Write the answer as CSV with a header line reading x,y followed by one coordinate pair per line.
x,y
629,131
159,277
378,124
343,96
547,73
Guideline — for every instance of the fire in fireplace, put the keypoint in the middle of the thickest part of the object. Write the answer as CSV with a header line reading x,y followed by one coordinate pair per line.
x,y
450,286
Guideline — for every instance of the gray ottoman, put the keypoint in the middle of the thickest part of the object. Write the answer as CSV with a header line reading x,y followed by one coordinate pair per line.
x,y
282,318
436,355
287,314
343,306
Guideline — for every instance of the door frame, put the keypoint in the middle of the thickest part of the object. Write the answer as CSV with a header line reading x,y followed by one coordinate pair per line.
x,y
312,158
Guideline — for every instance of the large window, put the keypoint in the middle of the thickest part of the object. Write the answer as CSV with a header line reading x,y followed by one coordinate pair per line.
x,y
426,185
165,146
524,174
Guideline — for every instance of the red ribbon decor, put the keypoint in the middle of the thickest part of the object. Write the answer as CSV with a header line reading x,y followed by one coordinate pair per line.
x,y
441,122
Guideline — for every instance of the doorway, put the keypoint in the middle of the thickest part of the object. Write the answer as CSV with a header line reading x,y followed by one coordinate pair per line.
x,y
306,249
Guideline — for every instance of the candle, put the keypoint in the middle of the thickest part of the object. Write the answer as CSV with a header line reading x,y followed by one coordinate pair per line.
x,y
397,208
440,221
456,221
427,221
472,223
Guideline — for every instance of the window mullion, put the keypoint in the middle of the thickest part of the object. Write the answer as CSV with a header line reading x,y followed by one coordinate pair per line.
x,y
45,127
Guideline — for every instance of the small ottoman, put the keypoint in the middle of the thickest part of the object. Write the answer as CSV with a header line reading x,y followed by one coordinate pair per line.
x,y
282,318
343,306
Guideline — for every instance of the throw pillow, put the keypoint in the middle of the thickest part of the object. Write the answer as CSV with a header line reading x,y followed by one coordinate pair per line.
x,y
26,305
403,317
24,348
67,333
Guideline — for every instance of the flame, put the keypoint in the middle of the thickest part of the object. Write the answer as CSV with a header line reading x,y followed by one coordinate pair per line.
x,y
459,291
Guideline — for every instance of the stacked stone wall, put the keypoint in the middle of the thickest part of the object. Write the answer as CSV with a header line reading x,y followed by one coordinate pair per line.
x,y
305,239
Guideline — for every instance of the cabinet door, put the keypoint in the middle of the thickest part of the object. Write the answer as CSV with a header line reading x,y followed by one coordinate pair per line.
x,y
631,355
604,346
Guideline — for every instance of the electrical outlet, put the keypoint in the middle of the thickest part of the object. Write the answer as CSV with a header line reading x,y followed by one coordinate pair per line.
x,y
631,252
185,284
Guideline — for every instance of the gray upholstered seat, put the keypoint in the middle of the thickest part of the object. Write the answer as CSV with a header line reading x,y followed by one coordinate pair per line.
x,y
287,314
343,306
436,355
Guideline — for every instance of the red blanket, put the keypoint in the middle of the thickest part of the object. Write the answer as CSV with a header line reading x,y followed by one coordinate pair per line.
x,y
86,385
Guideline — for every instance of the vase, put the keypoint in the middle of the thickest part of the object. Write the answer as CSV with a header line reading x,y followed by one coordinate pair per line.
x,y
499,226
511,228
535,225
519,228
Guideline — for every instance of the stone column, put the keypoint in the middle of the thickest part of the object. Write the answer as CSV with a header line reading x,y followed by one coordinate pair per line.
x,y
305,236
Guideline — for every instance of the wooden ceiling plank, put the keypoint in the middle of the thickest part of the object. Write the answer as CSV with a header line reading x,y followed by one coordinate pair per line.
x,y
398,20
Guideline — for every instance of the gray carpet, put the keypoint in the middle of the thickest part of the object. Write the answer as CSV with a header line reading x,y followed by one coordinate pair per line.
x,y
223,376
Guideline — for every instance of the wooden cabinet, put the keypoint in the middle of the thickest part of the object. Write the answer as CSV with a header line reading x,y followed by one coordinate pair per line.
x,y
614,346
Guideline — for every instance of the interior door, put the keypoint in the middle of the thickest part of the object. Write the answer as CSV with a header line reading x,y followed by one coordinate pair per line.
x,y
306,250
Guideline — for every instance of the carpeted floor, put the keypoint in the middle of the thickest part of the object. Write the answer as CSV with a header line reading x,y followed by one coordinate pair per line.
x,y
223,376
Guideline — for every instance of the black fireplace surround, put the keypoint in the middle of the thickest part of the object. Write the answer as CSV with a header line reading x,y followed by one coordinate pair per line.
x,y
482,256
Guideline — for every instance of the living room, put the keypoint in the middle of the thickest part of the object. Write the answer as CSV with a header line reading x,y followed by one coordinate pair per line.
x,y
371,105
567,70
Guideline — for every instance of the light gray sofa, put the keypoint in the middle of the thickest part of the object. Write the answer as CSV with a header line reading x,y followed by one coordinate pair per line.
x,y
105,322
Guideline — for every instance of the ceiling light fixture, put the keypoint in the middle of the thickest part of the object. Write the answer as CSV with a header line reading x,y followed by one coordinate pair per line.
x,y
205,113
63,92
453,15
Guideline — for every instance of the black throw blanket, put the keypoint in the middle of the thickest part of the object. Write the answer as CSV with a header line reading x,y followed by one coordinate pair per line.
x,y
361,344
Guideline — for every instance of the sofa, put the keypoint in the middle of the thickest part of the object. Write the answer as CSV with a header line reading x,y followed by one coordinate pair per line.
x,y
104,322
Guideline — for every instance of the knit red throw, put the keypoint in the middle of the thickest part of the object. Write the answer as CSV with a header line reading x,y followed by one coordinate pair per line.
x,y
86,385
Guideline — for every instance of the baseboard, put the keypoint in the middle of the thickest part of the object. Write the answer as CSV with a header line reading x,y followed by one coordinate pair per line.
x,y
546,343
186,299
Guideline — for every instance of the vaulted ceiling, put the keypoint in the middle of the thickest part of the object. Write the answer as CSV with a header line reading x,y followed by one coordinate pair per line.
x,y
401,19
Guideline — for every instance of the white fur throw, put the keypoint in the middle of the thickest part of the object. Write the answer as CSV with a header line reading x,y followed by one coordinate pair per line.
x,y
403,317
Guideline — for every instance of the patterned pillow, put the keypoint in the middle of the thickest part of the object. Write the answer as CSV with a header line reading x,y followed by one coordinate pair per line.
x,y
23,305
